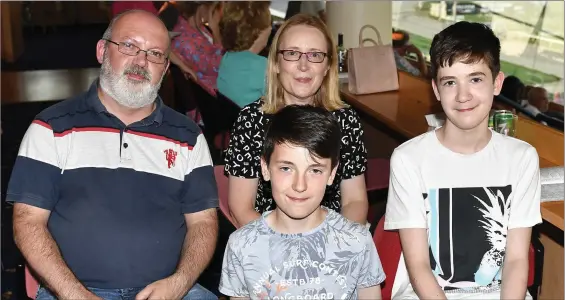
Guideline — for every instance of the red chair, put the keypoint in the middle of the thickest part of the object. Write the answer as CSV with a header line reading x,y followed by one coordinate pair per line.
x,y
376,178
378,171
222,183
389,248
31,284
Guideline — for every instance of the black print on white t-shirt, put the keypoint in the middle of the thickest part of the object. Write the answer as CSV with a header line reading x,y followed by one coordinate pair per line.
x,y
467,230
243,156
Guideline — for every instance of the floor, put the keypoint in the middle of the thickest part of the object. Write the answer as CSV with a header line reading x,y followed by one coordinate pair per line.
x,y
24,96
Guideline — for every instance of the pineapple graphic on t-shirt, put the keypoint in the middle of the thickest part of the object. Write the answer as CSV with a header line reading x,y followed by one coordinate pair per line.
x,y
467,229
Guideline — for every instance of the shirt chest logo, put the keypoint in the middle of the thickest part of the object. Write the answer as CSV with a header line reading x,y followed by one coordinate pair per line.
x,y
170,157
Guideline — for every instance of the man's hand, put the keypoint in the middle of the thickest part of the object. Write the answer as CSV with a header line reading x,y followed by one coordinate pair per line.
x,y
172,287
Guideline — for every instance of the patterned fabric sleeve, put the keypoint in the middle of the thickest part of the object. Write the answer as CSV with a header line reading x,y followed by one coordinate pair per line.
x,y
353,153
198,54
243,156
232,280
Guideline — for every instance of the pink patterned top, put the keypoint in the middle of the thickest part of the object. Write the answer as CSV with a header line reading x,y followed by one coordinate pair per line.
x,y
199,53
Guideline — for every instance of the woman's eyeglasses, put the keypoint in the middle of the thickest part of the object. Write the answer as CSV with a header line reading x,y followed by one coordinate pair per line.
x,y
294,55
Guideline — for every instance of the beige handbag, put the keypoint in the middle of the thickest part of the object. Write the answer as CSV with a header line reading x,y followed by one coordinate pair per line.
x,y
371,69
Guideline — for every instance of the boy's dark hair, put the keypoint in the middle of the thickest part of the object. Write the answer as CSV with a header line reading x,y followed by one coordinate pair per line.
x,y
313,128
466,42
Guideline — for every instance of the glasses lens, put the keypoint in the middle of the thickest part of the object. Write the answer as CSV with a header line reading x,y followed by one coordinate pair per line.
x,y
156,57
316,57
291,55
128,49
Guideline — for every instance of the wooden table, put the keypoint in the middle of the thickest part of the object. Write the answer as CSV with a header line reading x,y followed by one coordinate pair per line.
x,y
552,212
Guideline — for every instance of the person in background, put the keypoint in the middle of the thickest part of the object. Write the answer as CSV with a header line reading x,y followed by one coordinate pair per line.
x,y
114,193
197,47
513,89
539,99
300,158
301,69
245,27
534,100
401,43
463,197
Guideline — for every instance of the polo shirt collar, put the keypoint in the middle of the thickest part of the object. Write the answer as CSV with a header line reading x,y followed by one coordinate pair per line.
x,y
94,101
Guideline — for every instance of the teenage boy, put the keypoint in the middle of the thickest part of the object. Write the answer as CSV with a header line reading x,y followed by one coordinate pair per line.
x,y
463,197
301,250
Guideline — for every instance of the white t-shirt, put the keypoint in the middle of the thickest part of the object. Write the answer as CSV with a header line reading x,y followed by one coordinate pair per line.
x,y
467,203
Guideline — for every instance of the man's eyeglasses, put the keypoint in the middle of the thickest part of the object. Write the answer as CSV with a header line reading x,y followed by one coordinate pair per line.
x,y
130,49
294,55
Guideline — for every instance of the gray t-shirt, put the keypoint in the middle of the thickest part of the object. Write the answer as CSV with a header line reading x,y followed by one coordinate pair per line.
x,y
332,261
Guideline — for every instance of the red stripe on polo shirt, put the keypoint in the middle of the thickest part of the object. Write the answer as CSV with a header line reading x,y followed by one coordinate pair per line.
x,y
39,122
87,129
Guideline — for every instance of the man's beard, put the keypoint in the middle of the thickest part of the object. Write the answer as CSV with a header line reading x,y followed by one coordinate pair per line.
x,y
126,92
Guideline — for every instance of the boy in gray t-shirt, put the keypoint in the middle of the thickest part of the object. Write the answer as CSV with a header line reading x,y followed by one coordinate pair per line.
x,y
301,250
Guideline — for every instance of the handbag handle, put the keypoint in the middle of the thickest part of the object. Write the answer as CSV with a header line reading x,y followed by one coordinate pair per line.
x,y
361,40
369,40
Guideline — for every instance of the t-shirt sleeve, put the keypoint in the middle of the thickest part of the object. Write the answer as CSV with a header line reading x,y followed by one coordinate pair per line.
x,y
372,272
525,203
36,172
405,205
232,280
200,191
243,157
353,152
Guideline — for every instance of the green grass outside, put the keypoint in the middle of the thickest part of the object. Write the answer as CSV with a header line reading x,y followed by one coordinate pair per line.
x,y
527,75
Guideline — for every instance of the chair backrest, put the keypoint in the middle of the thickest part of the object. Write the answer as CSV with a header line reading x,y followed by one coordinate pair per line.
x,y
222,183
31,284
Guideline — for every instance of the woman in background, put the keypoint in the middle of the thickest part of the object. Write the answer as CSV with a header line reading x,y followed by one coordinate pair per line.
x,y
199,49
245,28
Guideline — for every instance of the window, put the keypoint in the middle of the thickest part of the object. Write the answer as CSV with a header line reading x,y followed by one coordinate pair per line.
x,y
530,32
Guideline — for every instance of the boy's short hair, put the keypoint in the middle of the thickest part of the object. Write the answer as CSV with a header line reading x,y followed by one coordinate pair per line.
x,y
466,42
313,128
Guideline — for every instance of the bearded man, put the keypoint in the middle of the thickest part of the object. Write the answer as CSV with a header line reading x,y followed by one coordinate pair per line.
x,y
114,192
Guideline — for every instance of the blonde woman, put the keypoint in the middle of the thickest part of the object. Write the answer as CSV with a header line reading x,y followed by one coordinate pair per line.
x,y
301,69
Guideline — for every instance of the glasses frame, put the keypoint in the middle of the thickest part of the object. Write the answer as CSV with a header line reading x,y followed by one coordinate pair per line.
x,y
147,56
304,53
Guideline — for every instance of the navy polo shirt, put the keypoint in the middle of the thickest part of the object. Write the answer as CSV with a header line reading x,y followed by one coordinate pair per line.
x,y
117,194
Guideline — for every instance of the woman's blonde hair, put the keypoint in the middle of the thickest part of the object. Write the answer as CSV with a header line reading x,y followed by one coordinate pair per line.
x,y
327,95
242,22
